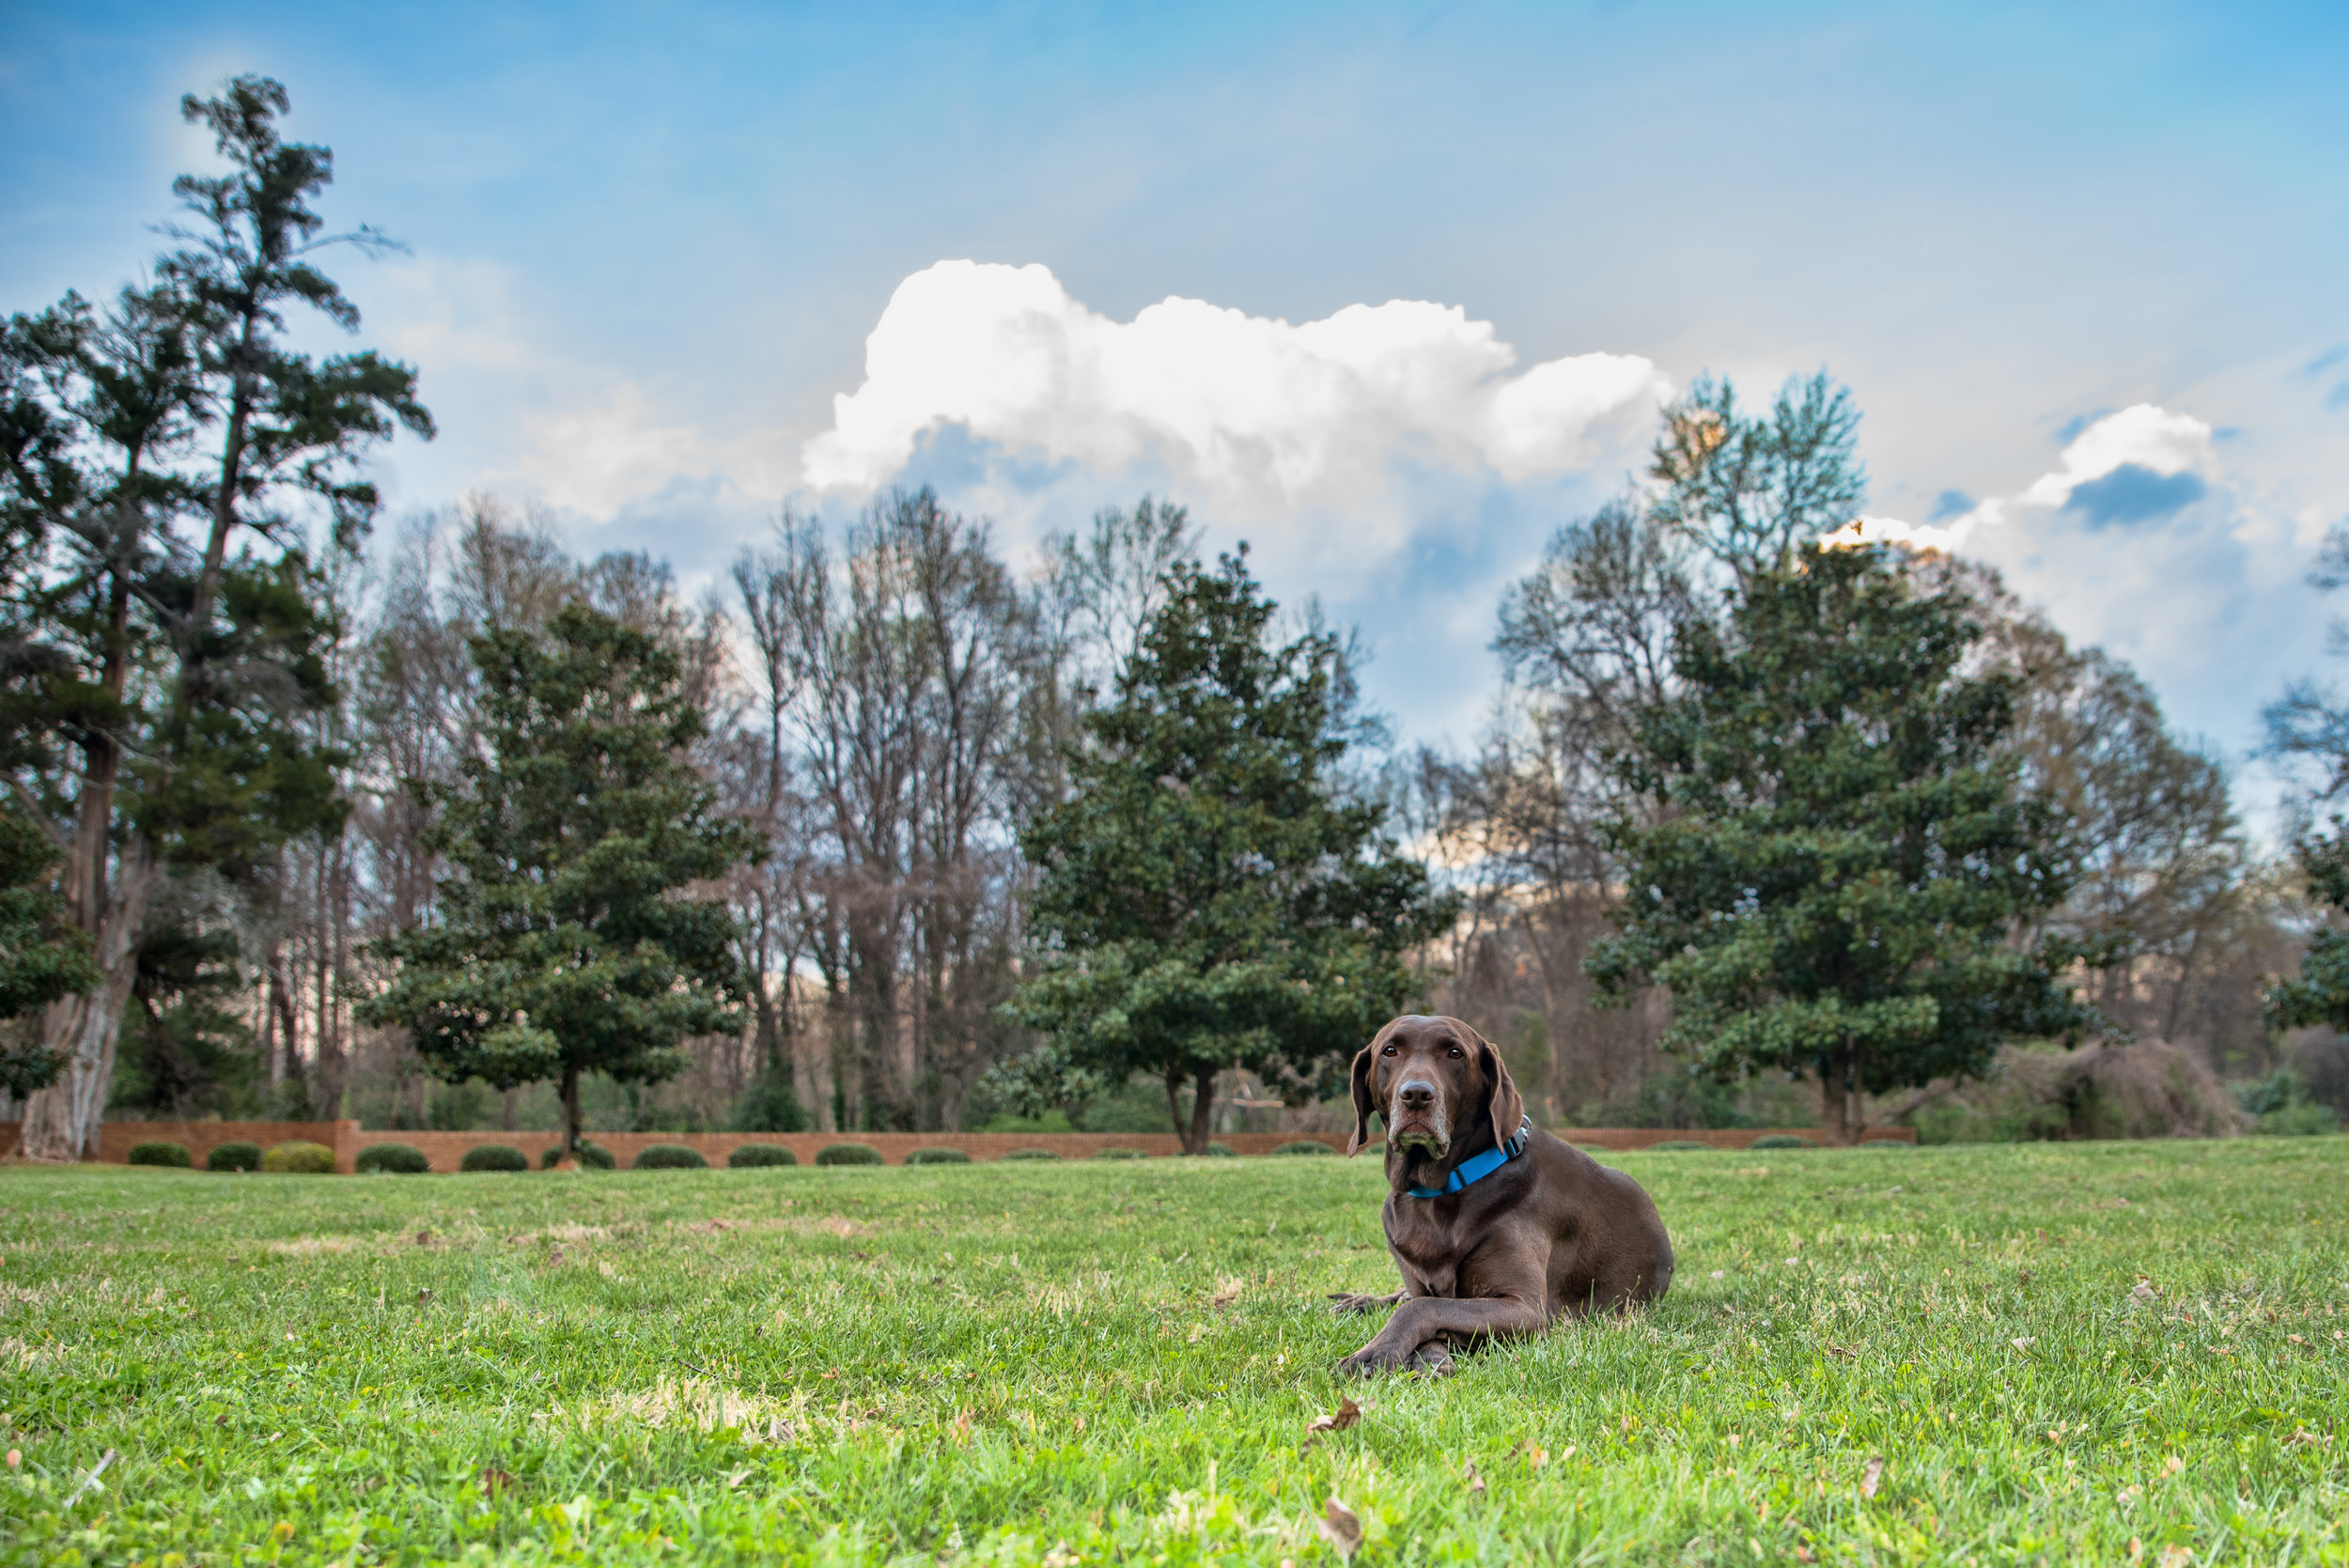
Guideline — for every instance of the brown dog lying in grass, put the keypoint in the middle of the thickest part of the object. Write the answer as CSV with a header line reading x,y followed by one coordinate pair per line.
x,y
1496,1226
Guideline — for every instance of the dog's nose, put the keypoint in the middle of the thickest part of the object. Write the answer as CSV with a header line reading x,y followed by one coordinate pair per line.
x,y
1416,1096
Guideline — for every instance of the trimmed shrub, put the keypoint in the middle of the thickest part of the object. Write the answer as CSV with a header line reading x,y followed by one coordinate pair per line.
x,y
1222,1150
235,1154
847,1154
1782,1141
392,1159
295,1157
1118,1150
752,1157
495,1156
1305,1146
1031,1154
669,1157
938,1156
1675,1144
174,1155
592,1155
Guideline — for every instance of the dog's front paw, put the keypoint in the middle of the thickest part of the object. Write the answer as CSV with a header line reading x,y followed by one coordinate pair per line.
x,y
1432,1359
1374,1358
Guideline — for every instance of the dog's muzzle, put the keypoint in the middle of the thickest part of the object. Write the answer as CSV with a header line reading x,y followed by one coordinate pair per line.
x,y
1417,1120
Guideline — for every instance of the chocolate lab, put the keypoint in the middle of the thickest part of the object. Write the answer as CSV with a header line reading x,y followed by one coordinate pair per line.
x,y
1496,1226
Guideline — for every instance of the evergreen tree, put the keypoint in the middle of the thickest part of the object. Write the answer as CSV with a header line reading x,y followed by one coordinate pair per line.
x,y
569,938
1840,852
1207,898
162,462
43,956
2319,994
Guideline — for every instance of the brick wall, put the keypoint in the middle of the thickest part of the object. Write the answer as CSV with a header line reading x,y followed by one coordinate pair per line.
x,y
445,1149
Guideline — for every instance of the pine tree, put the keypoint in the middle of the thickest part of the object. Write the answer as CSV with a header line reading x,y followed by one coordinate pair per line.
x,y
568,939
1207,898
1839,851
43,956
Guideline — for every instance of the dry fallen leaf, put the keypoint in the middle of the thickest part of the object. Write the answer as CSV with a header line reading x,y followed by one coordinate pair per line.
x,y
1802,1554
1340,1527
2023,1343
495,1482
962,1425
2172,1464
423,1239
1475,1482
2175,1556
1874,1473
2143,1290
1345,1415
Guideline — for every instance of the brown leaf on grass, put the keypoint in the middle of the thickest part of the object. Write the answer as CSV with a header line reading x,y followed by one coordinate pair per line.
x,y
1873,1474
423,1239
554,1258
1340,1527
2175,1556
1345,1415
1803,1554
496,1483
1475,1482
963,1422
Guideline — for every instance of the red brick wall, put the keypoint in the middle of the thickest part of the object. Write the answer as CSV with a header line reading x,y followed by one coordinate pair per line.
x,y
445,1149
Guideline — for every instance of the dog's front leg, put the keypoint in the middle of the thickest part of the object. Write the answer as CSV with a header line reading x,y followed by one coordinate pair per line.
x,y
1353,1301
1426,1319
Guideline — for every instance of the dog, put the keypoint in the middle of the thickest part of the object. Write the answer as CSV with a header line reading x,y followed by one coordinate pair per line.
x,y
1498,1227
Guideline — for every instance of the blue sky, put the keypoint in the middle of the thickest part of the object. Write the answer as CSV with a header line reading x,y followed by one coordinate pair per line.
x,y
2084,268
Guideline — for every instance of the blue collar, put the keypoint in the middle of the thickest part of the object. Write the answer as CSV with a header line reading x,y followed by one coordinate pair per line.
x,y
1477,1166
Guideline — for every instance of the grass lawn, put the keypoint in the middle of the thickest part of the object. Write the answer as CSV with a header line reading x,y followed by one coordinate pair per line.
x,y
1118,1361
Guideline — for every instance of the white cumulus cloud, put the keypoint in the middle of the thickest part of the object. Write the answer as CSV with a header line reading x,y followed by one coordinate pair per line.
x,y
1250,418
2142,436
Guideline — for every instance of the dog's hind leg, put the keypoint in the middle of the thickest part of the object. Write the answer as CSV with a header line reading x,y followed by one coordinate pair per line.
x,y
1350,1302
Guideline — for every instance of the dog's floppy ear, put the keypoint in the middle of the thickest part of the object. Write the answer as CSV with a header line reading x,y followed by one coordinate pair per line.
x,y
1363,1105
1508,1106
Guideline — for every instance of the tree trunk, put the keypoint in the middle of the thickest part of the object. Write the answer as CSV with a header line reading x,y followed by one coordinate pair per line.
x,y
570,1113
1838,1104
510,1097
1203,1102
61,1122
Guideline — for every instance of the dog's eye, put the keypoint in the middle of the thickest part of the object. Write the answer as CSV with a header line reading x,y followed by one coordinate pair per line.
x,y
1389,1052
1456,1052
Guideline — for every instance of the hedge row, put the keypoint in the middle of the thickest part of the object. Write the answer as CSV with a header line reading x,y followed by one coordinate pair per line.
x,y
407,1160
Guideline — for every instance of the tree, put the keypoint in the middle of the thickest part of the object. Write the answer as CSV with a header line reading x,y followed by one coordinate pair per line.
x,y
160,464
1205,897
2319,994
43,956
1841,852
569,938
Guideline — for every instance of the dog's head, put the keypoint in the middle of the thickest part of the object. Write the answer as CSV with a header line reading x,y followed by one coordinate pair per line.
x,y
1435,1080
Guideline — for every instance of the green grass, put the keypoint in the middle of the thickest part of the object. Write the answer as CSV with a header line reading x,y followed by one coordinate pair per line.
x,y
1118,1361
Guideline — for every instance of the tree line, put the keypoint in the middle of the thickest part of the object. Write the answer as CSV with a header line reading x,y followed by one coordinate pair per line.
x,y
889,831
